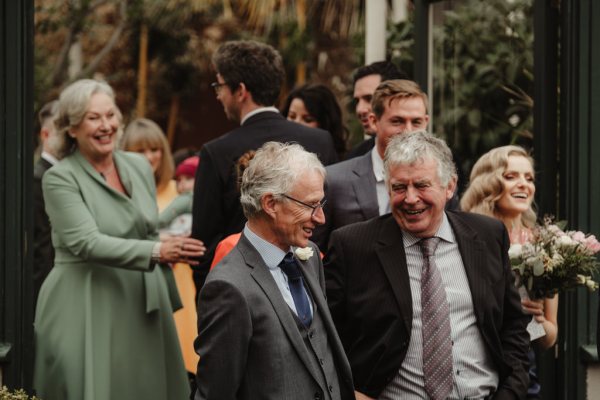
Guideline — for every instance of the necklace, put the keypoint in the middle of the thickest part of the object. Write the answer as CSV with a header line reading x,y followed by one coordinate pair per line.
x,y
106,171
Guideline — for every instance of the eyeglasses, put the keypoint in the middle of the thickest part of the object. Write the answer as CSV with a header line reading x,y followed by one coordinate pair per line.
x,y
313,208
217,86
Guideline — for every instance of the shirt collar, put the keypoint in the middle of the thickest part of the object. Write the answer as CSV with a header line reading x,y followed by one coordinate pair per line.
x,y
377,165
49,157
258,110
444,232
271,254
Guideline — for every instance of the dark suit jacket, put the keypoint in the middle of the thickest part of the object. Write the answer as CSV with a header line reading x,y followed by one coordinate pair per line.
x,y
43,252
369,297
362,148
249,344
216,211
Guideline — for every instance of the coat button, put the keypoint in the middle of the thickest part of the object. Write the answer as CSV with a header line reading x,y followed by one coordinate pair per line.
x,y
330,389
317,396
321,361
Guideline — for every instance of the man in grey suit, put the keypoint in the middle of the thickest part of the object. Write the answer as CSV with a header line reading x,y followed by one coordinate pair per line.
x,y
355,189
264,327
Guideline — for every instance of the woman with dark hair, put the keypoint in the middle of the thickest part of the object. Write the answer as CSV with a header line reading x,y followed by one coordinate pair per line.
x,y
317,107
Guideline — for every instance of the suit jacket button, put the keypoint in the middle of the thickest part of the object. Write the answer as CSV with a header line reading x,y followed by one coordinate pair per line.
x,y
330,389
317,396
321,361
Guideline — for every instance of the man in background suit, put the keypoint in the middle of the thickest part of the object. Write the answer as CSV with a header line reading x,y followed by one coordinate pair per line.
x,y
43,252
355,190
264,328
249,79
378,278
366,80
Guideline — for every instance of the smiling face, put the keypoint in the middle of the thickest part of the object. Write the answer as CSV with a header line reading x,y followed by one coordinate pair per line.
x,y
399,116
418,198
293,223
363,93
299,114
96,134
153,154
519,187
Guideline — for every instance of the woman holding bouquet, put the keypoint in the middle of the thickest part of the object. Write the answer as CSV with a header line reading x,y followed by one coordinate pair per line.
x,y
502,186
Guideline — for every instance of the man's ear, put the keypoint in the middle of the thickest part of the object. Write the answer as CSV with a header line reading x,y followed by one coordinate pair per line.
x,y
269,204
451,188
242,92
373,121
44,133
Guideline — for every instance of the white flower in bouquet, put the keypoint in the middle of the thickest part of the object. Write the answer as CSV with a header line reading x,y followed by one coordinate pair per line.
x,y
304,253
515,251
565,241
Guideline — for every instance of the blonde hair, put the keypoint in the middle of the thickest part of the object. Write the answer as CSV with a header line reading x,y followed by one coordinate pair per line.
x,y
73,103
142,134
486,184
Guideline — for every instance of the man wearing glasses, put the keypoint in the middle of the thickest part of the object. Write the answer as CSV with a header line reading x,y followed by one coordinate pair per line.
x,y
249,79
264,327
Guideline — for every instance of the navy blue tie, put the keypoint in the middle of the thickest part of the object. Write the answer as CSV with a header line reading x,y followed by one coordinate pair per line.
x,y
296,283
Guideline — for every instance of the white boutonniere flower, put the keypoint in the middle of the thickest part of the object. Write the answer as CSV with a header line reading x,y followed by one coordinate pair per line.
x,y
304,253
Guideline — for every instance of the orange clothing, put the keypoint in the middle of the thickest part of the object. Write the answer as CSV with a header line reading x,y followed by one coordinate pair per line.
x,y
225,246
186,317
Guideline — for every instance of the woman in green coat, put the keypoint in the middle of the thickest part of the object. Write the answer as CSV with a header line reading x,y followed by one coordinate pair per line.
x,y
104,328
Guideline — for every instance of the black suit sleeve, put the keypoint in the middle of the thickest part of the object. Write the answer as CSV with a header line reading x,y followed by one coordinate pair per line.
x,y
207,211
43,251
513,336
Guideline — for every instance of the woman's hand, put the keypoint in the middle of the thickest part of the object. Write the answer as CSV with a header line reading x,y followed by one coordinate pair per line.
x,y
535,307
181,249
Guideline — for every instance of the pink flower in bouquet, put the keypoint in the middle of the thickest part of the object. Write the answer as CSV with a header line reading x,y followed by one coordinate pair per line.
x,y
592,244
578,236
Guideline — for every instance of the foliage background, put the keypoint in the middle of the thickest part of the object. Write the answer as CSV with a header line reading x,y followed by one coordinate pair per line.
x,y
482,72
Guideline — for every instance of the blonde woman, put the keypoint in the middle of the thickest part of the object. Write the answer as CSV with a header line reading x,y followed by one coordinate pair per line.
x,y
144,136
104,327
502,185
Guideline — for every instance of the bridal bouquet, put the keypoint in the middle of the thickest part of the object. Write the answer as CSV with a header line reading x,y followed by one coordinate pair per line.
x,y
555,260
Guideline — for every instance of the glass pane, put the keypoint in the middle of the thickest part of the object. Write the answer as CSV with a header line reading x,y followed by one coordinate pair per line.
x,y
482,76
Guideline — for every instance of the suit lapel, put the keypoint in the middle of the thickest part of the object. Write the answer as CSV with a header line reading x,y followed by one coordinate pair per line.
x,y
390,250
365,187
260,273
472,251
95,175
320,305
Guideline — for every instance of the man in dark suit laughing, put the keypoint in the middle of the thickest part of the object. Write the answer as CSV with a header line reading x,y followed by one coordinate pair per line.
x,y
423,298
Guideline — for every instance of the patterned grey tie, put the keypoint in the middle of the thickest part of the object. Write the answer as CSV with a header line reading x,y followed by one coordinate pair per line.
x,y
435,317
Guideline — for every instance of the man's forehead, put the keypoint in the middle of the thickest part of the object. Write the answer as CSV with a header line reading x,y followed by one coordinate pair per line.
x,y
399,104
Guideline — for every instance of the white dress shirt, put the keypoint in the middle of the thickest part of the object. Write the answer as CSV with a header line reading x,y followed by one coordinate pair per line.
x,y
258,110
383,197
272,256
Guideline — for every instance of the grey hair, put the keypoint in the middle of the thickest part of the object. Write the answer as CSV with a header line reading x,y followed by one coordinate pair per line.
x,y
411,147
275,168
72,106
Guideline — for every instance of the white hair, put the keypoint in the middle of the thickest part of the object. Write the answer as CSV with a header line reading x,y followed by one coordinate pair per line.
x,y
275,168
410,147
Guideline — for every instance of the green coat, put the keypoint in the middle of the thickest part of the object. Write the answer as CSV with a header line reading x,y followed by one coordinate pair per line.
x,y
104,328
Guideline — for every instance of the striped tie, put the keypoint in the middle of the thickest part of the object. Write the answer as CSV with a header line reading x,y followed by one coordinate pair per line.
x,y
435,317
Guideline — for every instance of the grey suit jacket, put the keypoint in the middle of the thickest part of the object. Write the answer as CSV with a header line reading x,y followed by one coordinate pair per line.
x,y
351,196
248,341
